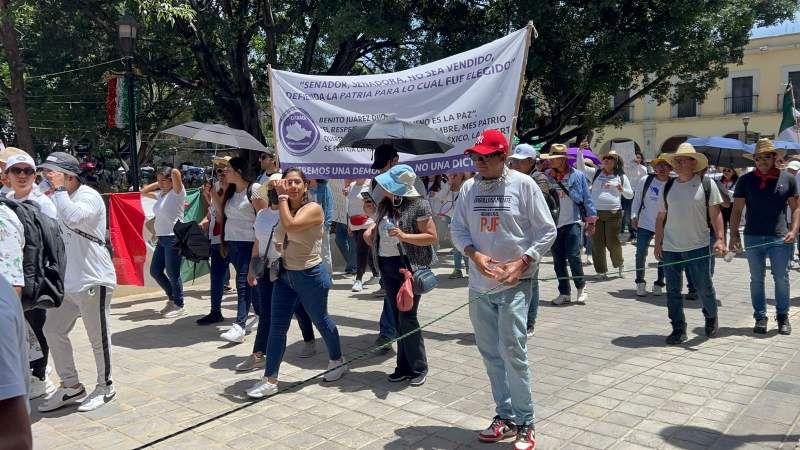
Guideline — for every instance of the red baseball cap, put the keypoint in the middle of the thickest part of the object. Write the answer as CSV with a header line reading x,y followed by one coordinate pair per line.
x,y
490,141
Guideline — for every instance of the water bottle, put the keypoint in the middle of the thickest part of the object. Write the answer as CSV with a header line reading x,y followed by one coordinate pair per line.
x,y
45,186
387,224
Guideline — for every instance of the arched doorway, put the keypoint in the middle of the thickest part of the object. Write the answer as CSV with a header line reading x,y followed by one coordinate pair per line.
x,y
603,149
671,144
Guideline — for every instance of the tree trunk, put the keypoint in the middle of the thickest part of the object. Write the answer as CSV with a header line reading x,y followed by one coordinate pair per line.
x,y
16,93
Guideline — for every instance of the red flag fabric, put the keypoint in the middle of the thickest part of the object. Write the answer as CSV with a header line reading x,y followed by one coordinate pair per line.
x,y
126,222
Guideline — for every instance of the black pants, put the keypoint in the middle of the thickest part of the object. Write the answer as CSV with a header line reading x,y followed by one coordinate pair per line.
x,y
411,359
36,319
363,256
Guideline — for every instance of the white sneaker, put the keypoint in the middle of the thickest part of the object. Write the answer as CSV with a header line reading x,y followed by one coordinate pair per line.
x,y
621,271
99,397
252,362
61,397
341,369
561,299
582,297
372,281
234,334
174,311
641,289
262,389
41,387
357,286
309,349
166,308
658,290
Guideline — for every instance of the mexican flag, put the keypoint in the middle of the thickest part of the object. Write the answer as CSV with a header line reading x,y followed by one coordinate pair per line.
x,y
131,230
787,130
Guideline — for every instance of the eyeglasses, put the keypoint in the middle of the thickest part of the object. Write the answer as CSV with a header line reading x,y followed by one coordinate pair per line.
x,y
662,166
18,170
220,171
767,157
265,156
476,157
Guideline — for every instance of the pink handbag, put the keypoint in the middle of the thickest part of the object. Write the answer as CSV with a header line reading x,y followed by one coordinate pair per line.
x,y
405,296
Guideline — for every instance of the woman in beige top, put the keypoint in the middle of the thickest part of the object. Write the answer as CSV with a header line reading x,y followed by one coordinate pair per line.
x,y
303,280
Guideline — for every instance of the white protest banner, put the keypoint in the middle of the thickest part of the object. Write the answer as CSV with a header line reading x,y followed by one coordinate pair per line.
x,y
460,96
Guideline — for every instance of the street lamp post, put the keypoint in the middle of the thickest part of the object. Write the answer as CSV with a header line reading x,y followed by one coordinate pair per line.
x,y
126,28
745,122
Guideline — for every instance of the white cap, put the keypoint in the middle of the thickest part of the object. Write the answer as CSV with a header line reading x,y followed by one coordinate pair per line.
x,y
523,151
20,159
794,165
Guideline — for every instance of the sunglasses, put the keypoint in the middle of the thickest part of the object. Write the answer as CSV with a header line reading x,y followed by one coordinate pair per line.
x,y
663,166
264,156
219,171
475,157
766,157
19,170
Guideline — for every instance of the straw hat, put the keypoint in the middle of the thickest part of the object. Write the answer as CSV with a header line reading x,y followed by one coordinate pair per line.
x,y
764,145
687,149
612,154
221,160
661,158
556,151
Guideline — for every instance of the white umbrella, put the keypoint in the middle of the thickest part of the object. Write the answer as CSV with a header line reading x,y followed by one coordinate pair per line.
x,y
217,134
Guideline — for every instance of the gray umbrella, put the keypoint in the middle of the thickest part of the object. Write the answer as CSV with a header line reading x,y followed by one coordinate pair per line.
x,y
217,134
406,137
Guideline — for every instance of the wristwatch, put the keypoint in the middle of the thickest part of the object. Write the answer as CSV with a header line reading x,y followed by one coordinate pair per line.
x,y
60,189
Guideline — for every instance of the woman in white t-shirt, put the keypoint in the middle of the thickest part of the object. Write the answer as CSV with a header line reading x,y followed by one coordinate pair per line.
x,y
239,204
170,196
219,270
358,222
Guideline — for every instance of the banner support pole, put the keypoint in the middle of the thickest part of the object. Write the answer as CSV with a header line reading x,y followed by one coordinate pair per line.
x,y
274,114
532,34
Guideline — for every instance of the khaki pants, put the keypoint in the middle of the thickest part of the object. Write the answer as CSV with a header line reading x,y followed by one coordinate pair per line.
x,y
606,236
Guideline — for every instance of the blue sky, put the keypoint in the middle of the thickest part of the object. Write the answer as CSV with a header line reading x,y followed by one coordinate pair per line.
x,y
788,27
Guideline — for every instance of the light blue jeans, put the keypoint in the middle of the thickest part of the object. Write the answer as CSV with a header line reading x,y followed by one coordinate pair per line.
x,y
500,322
779,255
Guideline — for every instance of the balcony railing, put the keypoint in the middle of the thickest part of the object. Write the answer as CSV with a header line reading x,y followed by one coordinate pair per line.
x,y
686,109
741,104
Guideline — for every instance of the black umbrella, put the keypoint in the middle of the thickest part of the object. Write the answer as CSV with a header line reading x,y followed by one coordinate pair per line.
x,y
405,137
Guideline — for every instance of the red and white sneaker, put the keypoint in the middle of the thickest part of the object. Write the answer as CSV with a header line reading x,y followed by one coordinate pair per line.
x,y
499,429
526,438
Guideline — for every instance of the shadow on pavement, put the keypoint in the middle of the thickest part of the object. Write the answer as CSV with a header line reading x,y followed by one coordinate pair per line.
x,y
437,437
692,437
657,340
743,331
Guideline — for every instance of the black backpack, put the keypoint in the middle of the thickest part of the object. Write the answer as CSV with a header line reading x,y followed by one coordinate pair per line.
x,y
192,241
705,182
44,259
550,194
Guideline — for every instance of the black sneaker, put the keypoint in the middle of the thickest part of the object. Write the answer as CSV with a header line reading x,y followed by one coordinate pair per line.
x,y
691,295
419,380
396,377
712,325
526,438
761,326
211,318
784,327
677,337
498,430
227,289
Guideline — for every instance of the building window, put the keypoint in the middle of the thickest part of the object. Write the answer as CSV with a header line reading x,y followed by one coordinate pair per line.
x,y
742,99
687,105
626,111
794,78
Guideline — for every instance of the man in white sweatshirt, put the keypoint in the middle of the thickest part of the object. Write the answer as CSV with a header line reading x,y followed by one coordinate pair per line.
x,y
88,284
502,223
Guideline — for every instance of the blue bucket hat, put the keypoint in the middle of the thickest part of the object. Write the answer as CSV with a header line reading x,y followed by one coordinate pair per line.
x,y
399,181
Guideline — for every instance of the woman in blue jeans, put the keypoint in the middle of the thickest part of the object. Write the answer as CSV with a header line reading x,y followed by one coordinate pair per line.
x,y
239,204
220,265
170,195
303,280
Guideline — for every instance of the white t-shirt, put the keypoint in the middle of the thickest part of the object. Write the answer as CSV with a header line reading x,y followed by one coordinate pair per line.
x,y
566,216
240,216
12,240
605,192
355,205
14,369
88,263
45,204
5,190
387,245
266,219
686,227
168,210
649,201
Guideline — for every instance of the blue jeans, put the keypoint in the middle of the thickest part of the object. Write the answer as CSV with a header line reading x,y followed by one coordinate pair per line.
x,y
262,305
309,288
643,238
567,249
711,264
347,247
779,255
165,257
533,309
458,258
499,321
240,253
220,273
387,324
698,270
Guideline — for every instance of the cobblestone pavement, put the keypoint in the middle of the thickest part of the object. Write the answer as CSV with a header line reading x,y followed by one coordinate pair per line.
x,y
603,378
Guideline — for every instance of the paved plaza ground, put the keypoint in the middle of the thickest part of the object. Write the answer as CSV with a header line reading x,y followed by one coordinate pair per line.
x,y
603,378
